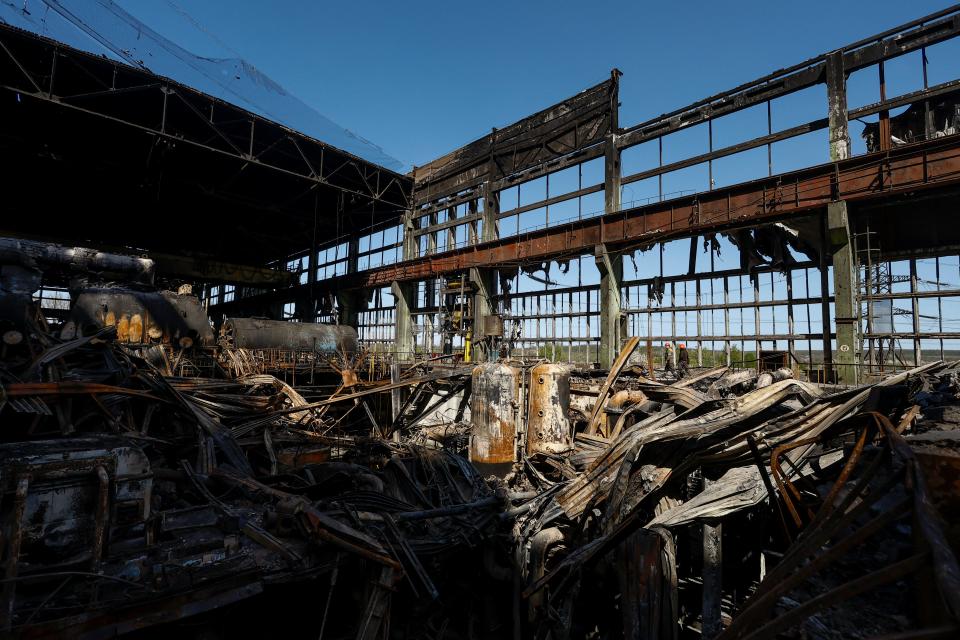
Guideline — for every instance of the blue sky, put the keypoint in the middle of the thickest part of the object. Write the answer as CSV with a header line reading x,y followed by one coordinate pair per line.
x,y
421,78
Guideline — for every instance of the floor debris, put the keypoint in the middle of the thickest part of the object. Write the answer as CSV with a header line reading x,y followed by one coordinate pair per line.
x,y
754,505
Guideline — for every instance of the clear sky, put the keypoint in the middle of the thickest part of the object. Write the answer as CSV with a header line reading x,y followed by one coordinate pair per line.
x,y
422,77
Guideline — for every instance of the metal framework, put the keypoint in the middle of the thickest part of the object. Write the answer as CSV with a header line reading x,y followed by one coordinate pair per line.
x,y
550,192
108,130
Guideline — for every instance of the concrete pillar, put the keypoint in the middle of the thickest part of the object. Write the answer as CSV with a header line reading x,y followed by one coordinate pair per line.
x,y
484,279
403,320
491,208
837,107
483,283
611,175
611,275
409,240
846,308
609,264
403,293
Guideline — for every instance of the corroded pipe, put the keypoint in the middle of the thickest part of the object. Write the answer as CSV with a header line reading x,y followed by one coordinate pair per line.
x,y
539,545
619,400
41,255
625,397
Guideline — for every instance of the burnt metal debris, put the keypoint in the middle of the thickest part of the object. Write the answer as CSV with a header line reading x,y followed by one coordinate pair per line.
x,y
730,503
131,489
237,430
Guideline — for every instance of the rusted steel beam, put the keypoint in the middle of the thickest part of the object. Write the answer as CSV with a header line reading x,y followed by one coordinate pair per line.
x,y
878,175
898,41
28,389
209,270
548,135
615,370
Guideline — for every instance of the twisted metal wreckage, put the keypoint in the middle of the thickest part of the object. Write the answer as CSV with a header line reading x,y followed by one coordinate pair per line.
x,y
728,503
162,475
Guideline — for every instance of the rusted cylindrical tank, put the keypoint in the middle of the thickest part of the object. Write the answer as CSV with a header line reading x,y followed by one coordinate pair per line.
x,y
548,427
494,406
257,333
141,317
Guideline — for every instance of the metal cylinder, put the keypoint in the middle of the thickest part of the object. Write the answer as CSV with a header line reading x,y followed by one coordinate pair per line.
x,y
548,427
44,255
257,333
494,405
141,317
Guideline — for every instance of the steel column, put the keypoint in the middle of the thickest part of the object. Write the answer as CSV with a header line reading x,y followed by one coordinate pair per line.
x,y
403,320
846,307
611,277
837,107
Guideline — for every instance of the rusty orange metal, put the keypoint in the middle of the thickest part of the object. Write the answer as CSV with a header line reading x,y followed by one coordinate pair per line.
x,y
933,163
300,456
548,427
494,406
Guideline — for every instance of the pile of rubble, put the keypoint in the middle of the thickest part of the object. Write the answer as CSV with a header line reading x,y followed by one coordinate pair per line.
x,y
734,498
506,499
127,492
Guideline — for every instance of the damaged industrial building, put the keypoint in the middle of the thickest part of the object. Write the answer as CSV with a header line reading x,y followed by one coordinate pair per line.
x,y
478,399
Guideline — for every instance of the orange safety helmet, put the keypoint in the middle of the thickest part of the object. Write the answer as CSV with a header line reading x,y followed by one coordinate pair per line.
x,y
682,345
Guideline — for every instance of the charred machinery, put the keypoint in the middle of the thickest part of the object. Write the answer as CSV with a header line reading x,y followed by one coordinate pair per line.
x,y
548,427
418,403
495,410
262,334
141,317
25,263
